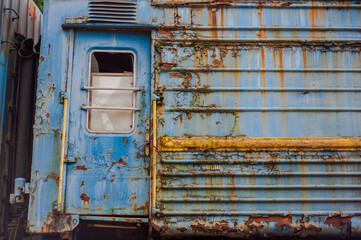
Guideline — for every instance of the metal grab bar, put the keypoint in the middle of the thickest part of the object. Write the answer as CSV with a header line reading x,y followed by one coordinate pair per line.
x,y
61,172
110,108
154,154
104,88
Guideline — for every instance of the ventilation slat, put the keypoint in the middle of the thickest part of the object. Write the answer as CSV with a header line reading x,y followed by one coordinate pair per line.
x,y
112,12
110,15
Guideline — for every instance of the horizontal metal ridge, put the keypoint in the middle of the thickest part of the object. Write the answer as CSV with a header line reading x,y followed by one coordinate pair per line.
x,y
220,69
243,40
257,89
261,161
255,4
239,199
187,27
178,144
311,186
255,213
259,174
115,219
262,109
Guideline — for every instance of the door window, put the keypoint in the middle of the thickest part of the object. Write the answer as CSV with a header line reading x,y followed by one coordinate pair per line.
x,y
111,92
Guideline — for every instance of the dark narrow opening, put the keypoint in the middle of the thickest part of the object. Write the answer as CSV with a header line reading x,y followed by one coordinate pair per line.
x,y
108,62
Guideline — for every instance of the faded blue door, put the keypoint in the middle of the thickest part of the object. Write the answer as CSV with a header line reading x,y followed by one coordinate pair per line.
x,y
109,112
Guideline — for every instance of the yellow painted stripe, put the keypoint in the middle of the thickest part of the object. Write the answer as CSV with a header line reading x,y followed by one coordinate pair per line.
x,y
175,144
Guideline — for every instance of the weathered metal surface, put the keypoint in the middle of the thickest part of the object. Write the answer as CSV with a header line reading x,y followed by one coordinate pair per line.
x,y
259,118
111,170
283,77
104,174
258,144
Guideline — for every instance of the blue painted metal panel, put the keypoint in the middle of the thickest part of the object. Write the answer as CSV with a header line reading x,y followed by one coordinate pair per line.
x,y
266,70
111,169
220,69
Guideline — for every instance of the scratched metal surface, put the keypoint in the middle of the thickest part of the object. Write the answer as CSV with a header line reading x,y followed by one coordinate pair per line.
x,y
109,176
111,170
270,70
220,69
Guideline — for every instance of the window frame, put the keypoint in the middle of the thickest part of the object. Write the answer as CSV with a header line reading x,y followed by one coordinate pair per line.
x,y
88,91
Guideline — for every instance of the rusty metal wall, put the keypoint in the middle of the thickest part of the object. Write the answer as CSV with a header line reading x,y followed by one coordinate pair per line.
x,y
258,117
249,70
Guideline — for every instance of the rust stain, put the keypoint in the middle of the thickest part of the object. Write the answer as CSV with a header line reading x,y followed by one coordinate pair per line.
x,y
53,176
32,12
339,221
142,208
281,221
189,115
81,167
180,117
105,196
121,161
165,32
216,228
82,184
186,78
166,66
85,199
213,106
216,63
182,229
134,198
160,229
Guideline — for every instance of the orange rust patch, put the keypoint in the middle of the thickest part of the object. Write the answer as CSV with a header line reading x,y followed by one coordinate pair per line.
x,y
166,66
160,229
32,12
186,78
182,229
121,161
105,196
165,32
189,115
339,221
86,200
281,221
216,63
81,167
216,228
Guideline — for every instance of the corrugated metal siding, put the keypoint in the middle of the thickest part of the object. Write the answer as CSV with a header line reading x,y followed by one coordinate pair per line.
x,y
270,70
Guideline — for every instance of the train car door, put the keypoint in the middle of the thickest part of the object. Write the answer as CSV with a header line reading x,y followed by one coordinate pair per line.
x,y
109,112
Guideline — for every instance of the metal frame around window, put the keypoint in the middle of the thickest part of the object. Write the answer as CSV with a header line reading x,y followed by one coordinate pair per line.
x,y
89,88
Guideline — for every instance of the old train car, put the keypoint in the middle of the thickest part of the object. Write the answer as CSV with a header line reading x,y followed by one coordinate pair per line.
x,y
199,118
20,30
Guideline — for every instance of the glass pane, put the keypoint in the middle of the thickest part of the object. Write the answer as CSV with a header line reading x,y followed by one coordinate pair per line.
x,y
111,121
114,121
